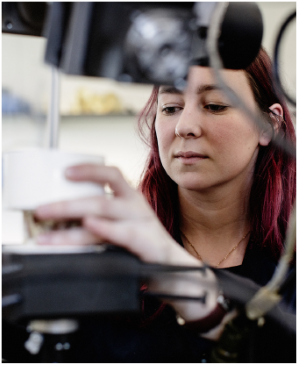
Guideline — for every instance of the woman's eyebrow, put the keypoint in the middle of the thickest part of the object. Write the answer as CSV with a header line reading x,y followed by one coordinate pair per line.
x,y
201,89
207,87
169,90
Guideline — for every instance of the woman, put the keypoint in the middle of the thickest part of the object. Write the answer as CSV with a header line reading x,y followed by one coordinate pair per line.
x,y
223,194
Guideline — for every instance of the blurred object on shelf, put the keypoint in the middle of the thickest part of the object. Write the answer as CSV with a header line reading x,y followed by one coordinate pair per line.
x,y
89,102
12,104
124,98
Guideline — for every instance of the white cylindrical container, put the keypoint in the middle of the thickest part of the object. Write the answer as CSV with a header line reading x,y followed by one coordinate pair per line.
x,y
36,177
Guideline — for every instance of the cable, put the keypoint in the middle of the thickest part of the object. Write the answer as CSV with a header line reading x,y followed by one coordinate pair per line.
x,y
275,63
267,297
201,299
150,268
216,64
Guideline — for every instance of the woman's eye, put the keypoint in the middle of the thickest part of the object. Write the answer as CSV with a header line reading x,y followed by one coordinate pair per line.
x,y
215,107
170,110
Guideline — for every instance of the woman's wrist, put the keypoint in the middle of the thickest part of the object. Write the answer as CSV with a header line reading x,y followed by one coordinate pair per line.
x,y
211,320
198,284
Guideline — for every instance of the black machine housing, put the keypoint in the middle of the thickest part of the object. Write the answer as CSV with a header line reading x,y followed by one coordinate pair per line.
x,y
144,42
49,286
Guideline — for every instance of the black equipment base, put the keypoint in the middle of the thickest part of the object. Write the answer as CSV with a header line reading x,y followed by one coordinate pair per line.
x,y
45,286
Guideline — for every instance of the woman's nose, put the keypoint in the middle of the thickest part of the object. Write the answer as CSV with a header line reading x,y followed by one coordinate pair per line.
x,y
189,124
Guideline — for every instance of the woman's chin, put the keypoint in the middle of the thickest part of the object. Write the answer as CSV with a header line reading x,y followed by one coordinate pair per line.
x,y
193,185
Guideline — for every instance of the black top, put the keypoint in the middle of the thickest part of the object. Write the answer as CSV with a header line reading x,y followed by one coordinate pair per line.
x,y
119,339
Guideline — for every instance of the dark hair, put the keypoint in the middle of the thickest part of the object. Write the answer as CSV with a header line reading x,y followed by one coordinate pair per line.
x,y
274,187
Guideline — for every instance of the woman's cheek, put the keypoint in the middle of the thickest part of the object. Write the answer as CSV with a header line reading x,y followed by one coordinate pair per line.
x,y
164,148
165,135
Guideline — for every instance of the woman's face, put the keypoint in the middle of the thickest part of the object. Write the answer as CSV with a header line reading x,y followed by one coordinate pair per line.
x,y
217,145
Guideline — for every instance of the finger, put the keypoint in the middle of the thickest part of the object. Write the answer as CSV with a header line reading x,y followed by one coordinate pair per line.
x,y
93,206
73,236
101,174
123,234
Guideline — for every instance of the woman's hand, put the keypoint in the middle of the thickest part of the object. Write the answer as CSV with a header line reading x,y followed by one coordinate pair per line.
x,y
127,220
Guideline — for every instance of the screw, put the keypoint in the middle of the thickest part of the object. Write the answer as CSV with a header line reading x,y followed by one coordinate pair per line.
x,y
58,346
9,24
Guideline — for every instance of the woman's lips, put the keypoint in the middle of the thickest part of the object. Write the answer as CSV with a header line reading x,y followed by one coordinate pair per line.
x,y
189,157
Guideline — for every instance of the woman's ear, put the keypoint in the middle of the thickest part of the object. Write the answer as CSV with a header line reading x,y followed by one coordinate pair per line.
x,y
266,135
277,109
